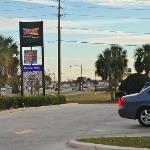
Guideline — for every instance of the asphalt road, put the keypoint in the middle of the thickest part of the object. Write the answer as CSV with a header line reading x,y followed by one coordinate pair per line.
x,y
49,128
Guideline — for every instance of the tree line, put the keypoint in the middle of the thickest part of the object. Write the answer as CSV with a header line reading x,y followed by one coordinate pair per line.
x,y
110,64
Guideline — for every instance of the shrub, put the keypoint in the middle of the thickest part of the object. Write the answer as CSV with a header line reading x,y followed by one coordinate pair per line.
x,y
31,101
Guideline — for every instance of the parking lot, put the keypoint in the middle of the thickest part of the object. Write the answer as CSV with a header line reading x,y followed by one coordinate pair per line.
x,y
49,128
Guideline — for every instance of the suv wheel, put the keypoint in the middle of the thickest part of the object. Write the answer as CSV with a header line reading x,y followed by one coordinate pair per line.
x,y
144,117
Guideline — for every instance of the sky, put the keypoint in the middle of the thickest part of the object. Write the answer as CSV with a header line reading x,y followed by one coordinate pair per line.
x,y
87,27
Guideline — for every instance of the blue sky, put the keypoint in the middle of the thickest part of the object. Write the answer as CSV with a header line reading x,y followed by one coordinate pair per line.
x,y
99,23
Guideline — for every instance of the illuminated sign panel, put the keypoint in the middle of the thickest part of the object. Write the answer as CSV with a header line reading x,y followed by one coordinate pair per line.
x,y
31,34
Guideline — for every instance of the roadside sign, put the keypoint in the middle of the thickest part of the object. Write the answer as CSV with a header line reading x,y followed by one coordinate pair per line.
x,y
31,34
31,68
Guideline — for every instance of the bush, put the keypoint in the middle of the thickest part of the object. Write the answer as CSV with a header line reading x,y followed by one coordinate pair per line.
x,y
31,101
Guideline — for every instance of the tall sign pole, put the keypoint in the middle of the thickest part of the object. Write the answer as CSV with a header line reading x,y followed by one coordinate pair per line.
x,y
59,48
21,62
43,72
21,71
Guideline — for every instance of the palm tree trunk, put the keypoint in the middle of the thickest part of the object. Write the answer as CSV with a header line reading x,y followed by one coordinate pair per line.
x,y
112,95
115,88
111,88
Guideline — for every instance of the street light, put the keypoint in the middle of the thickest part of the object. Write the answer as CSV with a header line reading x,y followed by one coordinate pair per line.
x,y
81,81
53,80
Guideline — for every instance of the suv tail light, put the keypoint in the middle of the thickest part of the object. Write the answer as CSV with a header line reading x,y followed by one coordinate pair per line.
x,y
121,102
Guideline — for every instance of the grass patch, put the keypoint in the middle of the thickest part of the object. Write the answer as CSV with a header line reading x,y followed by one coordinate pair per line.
x,y
89,97
138,142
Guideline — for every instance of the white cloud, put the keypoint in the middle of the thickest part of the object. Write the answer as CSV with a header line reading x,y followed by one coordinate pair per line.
x,y
102,22
94,32
13,24
46,2
120,2
98,2
50,26
124,40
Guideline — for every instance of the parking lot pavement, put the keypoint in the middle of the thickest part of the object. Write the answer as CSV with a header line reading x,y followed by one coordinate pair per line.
x,y
49,128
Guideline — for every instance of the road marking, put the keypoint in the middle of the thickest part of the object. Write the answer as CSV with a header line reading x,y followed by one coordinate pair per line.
x,y
23,132
100,130
115,130
108,123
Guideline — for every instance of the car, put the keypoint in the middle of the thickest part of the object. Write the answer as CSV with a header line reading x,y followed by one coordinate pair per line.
x,y
75,88
147,84
136,106
56,89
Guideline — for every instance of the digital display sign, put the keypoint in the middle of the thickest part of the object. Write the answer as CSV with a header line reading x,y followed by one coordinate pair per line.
x,y
31,34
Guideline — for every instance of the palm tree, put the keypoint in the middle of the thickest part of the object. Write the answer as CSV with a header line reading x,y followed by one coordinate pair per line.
x,y
110,65
142,56
8,59
102,65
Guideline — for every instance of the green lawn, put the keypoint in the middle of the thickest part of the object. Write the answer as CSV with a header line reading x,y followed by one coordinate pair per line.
x,y
139,142
89,97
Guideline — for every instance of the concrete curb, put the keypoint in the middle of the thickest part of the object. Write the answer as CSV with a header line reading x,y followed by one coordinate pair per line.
x,y
90,146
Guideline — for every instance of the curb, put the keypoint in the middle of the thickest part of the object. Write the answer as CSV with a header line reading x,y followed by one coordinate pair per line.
x,y
90,146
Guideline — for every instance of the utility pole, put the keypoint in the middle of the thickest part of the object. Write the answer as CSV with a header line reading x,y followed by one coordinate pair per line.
x,y
81,79
59,48
81,70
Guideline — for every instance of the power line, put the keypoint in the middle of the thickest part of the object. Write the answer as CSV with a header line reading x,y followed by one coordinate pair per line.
x,y
81,15
67,14
92,43
111,8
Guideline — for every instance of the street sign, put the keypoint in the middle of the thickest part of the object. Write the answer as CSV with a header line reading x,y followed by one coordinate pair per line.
x,y
31,68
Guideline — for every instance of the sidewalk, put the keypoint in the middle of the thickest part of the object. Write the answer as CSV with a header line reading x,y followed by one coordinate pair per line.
x,y
90,146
